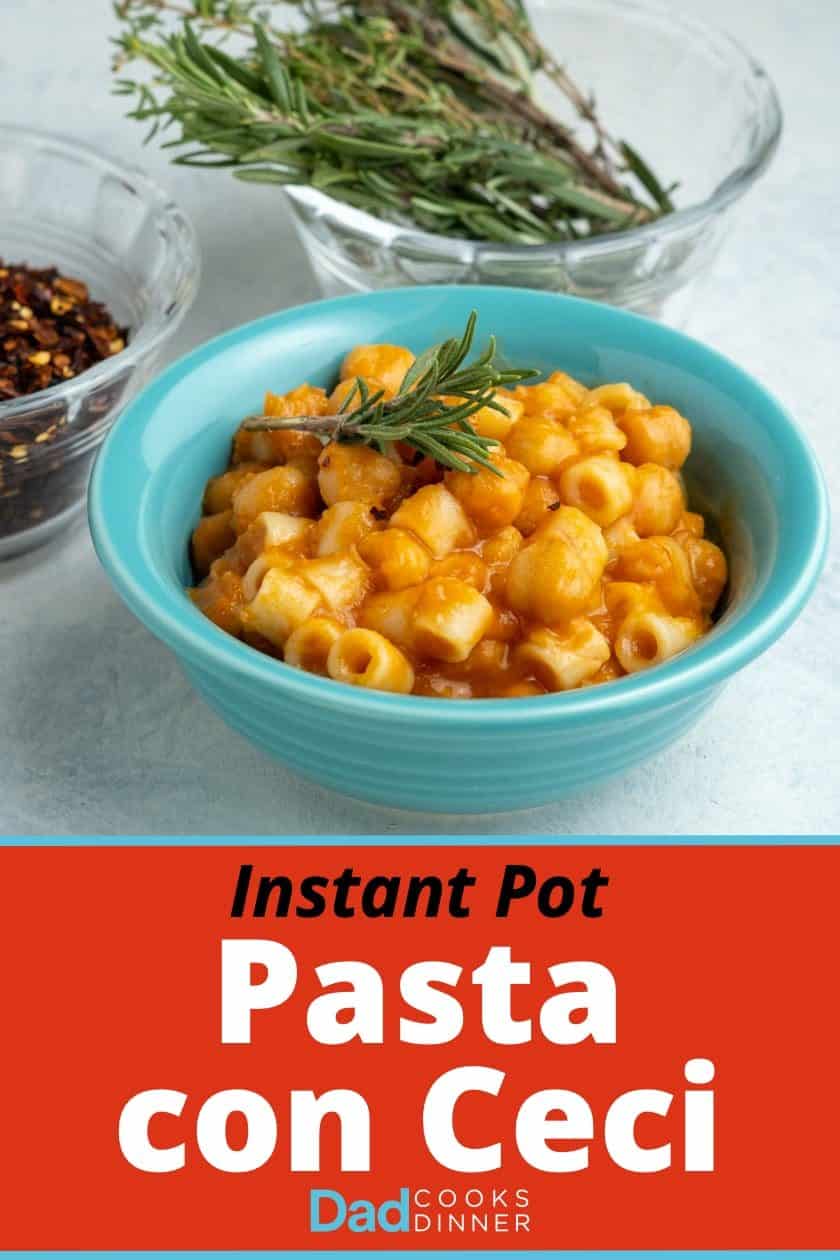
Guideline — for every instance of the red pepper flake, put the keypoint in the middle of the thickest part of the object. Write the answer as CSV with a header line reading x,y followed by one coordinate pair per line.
x,y
50,331
44,314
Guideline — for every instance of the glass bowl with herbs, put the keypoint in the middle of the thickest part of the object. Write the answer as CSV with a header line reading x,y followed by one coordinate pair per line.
x,y
592,147
97,268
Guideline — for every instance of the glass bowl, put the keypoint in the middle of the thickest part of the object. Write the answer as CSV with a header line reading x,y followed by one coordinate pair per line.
x,y
65,205
697,106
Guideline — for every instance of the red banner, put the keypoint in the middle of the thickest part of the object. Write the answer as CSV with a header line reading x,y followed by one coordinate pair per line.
x,y
406,1047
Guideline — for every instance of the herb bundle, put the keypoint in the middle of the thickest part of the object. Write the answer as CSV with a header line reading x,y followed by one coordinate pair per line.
x,y
431,411
421,111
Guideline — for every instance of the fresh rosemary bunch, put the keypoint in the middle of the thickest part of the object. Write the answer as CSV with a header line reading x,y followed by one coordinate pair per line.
x,y
420,414
416,110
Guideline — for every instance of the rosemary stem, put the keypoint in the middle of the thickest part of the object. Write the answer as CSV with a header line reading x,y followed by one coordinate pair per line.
x,y
327,425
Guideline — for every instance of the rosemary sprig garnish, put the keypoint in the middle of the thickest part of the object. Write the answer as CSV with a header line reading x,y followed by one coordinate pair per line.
x,y
418,415
421,111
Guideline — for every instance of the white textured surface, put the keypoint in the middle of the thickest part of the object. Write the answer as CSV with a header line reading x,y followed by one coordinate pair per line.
x,y
98,730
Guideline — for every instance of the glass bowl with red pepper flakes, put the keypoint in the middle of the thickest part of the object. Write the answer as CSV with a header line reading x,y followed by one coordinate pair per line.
x,y
97,269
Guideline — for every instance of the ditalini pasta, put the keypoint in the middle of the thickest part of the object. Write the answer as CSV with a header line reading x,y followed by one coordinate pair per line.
x,y
574,560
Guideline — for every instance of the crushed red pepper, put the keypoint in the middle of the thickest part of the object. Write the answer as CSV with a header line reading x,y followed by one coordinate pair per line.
x,y
50,329
50,332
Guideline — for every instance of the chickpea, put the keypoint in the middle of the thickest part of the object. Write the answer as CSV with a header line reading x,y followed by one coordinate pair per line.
x,y
466,566
342,525
500,548
594,430
663,562
656,435
211,537
347,391
539,498
219,491
542,444
283,489
575,527
357,472
221,600
384,363
659,500
553,399
616,397
492,501
709,571
276,446
396,557
556,575
495,424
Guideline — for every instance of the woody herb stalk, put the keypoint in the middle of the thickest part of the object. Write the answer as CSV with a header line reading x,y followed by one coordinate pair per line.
x,y
436,426
420,112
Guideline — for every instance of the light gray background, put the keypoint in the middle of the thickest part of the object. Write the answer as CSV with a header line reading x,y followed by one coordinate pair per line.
x,y
98,730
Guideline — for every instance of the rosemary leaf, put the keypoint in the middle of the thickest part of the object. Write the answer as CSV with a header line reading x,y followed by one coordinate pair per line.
x,y
430,412
416,110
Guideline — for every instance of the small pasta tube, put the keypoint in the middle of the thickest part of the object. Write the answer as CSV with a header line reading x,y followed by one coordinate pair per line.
x,y
309,646
367,659
283,489
282,603
342,525
271,558
561,661
449,619
490,500
437,518
648,638
211,538
271,531
599,486
541,444
656,435
620,535
357,472
624,598
342,580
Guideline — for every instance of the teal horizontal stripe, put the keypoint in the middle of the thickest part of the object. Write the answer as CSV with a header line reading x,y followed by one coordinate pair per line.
x,y
465,840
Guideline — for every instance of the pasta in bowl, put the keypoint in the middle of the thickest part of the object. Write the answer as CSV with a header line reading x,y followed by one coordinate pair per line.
x,y
566,557
750,472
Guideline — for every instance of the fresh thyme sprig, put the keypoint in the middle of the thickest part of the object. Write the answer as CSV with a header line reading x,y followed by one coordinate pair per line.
x,y
430,412
420,111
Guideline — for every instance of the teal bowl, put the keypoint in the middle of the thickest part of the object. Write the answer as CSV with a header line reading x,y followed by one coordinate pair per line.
x,y
750,467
